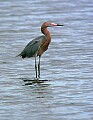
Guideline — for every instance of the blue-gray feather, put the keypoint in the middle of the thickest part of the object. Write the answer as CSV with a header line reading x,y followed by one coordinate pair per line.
x,y
32,47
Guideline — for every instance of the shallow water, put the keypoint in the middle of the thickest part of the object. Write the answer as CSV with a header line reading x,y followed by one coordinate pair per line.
x,y
66,88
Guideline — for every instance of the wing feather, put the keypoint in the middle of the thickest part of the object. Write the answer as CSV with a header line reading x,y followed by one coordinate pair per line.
x,y
32,47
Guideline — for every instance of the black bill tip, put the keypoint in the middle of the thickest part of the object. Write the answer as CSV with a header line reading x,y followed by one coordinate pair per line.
x,y
59,25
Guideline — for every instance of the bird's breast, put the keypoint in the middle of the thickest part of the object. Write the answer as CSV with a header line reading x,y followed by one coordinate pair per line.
x,y
43,48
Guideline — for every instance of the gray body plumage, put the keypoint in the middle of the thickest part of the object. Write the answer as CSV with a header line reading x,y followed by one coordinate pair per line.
x,y
38,46
33,47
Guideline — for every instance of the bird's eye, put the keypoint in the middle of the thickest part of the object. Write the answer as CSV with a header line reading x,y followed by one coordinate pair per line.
x,y
49,25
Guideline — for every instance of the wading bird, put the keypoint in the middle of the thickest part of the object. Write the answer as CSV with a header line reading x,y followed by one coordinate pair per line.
x,y
38,46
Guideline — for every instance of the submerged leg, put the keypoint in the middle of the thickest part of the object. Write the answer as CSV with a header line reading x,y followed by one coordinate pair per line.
x,y
39,67
36,67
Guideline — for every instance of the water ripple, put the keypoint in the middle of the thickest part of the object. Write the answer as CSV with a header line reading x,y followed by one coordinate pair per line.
x,y
65,90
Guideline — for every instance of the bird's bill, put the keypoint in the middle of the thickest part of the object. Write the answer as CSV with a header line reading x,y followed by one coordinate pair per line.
x,y
53,24
59,25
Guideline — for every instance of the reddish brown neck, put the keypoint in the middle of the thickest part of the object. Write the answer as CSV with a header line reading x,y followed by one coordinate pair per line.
x,y
46,33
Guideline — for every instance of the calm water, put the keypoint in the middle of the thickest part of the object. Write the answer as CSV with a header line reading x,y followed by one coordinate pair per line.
x,y
66,68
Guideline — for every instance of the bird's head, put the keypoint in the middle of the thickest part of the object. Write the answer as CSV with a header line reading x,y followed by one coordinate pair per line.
x,y
49,24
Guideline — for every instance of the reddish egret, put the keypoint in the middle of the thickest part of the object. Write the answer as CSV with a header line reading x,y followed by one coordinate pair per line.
x,y
37,46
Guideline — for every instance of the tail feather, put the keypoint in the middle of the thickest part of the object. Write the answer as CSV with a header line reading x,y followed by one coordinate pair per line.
x,y
21,55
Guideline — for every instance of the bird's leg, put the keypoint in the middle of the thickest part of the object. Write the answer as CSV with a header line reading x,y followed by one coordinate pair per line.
x,y
36,66
39,67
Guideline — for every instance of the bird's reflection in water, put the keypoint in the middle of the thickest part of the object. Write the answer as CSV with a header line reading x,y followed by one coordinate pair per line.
x,y
39,90
29,81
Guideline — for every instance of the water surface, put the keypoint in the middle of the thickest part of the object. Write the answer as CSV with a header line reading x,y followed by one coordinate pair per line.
x,y
66,67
